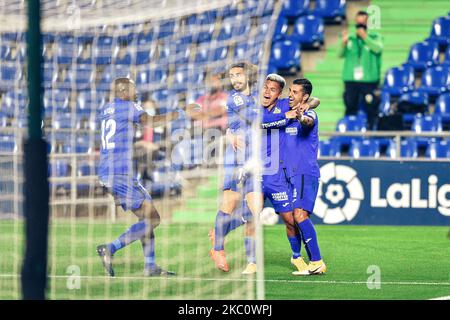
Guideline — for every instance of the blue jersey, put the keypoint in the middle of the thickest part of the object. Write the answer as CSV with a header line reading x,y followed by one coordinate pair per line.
x,y
118,120
239,108
302,147
273,138
299,147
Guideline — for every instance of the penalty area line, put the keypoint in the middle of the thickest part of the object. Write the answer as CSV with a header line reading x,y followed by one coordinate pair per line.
x,y
244,279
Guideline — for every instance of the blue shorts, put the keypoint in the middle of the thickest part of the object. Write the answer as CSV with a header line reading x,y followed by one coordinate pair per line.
x,y
278,190
304,191
129,192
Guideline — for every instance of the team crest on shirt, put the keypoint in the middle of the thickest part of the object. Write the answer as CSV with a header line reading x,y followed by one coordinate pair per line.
x,y
292,131
276,110
238,101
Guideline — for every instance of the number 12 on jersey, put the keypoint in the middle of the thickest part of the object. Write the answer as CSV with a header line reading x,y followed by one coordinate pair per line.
x,y
108,131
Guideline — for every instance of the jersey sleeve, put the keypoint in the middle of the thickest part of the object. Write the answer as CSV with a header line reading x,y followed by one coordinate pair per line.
x,y
234,104
137,112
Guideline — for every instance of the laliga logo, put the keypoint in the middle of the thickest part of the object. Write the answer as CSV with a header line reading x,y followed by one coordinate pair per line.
x,y
340,194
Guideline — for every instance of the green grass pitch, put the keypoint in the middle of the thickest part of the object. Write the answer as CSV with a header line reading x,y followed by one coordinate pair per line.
x,y
413,263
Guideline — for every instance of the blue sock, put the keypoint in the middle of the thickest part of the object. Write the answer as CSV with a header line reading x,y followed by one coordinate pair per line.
x,y
148,246
250,249
310,239
135,232
237,219
295,246
221,226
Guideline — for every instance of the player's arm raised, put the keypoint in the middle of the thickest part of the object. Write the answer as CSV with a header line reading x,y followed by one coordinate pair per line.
x,y
159,120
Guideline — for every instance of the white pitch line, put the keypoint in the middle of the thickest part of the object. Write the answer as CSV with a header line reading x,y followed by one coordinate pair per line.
x,y
177,278
441,298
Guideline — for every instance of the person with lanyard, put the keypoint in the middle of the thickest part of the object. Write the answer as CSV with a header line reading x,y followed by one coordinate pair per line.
x,y
362,64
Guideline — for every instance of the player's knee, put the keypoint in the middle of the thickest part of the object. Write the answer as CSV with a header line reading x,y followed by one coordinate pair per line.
x,y
300,215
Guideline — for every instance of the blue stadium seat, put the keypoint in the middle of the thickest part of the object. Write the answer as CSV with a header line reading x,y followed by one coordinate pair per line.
x,y
49,75
202,55
365,148
281,29
125,59
325,148
385,104
440,31
285,56
12,100
294,8
66,47
103,49
83,75
332,11
152,76
144,39
166,28
418,99
423,55
7,144
446,61
59,168
399,80
435,81
438,149
219,53
350,123
309,32
408,149
442,108
10,74
427,123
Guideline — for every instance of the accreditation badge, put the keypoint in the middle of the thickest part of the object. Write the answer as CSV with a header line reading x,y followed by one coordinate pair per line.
x,y
358,73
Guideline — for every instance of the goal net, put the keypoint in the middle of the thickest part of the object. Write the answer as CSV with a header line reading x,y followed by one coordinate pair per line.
x,y
178,53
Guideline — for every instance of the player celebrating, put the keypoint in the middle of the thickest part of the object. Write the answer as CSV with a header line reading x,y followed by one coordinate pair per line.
x,y
116,174
277,185
240,98
304,172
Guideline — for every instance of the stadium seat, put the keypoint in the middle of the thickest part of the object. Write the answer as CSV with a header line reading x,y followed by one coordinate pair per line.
x,y
423,55
60,168
412,103
103,50
10,74
408,149
144,38
308,31
442,108
332,11
152,76
66,47
385,104
281,29
446,61
438,149
435,81
427,123
166,28
144,56
399,80
7,144
324,149
365,148
350,123
294,8
12,100
83,75
285,56
440,31
49,75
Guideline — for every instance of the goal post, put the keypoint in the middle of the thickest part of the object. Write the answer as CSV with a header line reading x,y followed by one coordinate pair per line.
x,y
178,54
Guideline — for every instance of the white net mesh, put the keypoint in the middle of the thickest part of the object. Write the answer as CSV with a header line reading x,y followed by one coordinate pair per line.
x,y
174,50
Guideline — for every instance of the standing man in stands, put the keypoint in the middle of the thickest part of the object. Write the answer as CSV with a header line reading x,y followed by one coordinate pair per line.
x,y
362,62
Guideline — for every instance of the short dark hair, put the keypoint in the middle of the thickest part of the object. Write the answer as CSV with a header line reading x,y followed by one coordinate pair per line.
x,y
121,85
250,70
362,13
306,85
